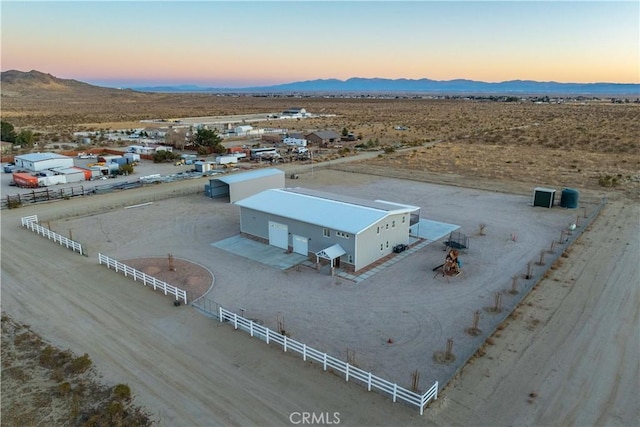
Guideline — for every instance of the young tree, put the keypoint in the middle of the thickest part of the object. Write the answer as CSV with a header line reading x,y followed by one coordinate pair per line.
x,y
8,132
345,131
25,138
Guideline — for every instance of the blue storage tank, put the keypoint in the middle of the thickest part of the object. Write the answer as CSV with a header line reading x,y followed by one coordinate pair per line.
x,y
569,198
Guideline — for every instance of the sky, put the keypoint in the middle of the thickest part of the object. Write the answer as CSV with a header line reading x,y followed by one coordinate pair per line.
x,y
243,44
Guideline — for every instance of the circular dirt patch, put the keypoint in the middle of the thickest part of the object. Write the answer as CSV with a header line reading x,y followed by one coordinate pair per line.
x,y
443,358
193,278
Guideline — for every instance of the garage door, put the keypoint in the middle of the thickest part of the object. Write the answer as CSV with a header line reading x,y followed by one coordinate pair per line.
x,y
278,235
300,245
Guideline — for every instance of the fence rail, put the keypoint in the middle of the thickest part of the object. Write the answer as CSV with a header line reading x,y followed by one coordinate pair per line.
x,y
39,195
31,222
145,278
329,362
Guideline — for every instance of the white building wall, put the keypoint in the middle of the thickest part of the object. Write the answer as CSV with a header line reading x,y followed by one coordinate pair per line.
x,y
378,240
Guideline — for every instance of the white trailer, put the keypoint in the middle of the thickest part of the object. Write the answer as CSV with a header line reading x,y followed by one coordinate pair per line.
x,y
298,142
225,160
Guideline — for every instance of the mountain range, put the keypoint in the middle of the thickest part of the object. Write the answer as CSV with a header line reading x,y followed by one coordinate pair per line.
x,y
423,86
16,83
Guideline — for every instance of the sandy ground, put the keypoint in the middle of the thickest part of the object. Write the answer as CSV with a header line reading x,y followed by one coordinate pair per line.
x,y
569,355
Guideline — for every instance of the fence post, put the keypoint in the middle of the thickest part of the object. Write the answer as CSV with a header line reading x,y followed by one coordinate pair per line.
x,y
285,343
235,320
395,392
220,313
324,362
251,327
369,383
267,340
304,352
347,373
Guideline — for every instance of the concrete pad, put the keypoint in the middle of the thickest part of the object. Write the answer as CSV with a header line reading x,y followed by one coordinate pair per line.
x,y
260,252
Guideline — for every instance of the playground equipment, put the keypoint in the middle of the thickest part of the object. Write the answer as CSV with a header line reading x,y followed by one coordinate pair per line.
x,y
451,266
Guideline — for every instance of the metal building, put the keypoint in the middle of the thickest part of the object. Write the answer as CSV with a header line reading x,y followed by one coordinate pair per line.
x,y
41,161
237,186
349,232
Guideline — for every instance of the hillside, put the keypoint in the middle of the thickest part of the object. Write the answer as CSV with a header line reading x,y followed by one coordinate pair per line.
x,y
33,83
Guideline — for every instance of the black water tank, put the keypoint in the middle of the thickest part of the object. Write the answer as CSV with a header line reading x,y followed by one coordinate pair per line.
x,y
569,198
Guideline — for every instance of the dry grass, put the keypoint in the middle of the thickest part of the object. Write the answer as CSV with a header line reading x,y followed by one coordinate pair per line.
x,y
43,385
587,145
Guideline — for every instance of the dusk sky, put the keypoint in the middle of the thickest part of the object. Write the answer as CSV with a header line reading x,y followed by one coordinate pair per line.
x,y
240,44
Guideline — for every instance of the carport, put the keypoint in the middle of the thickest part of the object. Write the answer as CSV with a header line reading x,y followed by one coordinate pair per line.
x,y
238,186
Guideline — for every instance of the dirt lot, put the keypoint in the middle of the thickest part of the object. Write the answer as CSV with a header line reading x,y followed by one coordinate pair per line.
x,y
567,356
163,352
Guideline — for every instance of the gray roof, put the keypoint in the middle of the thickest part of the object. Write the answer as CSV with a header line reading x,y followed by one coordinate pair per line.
x,y
348,214
38,157
325,134
244,176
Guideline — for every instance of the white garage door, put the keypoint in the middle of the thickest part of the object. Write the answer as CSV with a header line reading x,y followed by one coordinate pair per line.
x,y
300,245
278,235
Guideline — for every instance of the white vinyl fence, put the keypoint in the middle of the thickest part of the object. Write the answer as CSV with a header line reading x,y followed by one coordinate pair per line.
x,y
31,222
145,278
328,362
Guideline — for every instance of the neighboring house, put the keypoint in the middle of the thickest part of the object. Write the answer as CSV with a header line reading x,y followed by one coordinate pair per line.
x,y
296,135
349,232
323,138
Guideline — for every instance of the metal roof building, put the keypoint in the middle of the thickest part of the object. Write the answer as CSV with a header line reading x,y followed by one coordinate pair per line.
x,y
41,161
237,186
345,230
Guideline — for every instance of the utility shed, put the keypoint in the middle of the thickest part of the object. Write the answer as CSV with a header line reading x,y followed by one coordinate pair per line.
x,y
238,186
41,161
312,223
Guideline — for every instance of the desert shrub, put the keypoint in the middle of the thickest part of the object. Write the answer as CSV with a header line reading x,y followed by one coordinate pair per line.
x,y
80,364
388,149
608,181
126,169
163,156
122,392
47,357
64,389
115,410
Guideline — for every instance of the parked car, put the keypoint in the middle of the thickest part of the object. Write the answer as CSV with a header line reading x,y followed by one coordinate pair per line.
x,y
400,248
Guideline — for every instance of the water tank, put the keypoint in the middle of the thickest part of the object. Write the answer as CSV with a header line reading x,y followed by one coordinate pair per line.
x,y
569,198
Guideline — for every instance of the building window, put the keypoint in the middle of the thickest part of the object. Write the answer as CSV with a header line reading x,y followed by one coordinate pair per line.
x,y
350,259
387,243
393,224
342,234
386,227
378,230
381,247
403,219
326,232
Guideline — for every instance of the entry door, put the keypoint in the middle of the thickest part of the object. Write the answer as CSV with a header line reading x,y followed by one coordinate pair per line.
x,y
278,235
300,245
